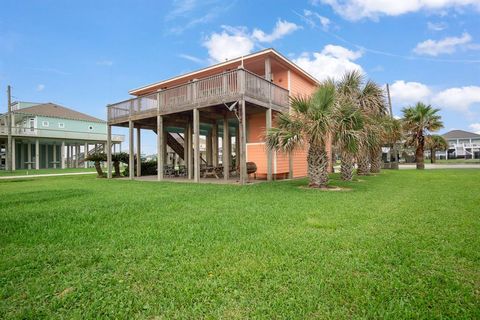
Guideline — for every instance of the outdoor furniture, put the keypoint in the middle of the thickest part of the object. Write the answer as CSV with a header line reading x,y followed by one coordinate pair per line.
x,y
211,171
169,171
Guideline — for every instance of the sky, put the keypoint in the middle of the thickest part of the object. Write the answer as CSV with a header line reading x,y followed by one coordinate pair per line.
x,y
87,54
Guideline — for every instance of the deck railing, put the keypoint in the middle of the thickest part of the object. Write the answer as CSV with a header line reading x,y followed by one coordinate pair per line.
x,y
215,89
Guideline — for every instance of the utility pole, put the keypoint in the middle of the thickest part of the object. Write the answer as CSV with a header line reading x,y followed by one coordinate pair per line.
x,y
9,132
394,147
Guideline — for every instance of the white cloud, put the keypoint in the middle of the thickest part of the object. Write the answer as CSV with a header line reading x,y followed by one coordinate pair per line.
x,y
458,99
281,29
461,99
331,62
234,42
372,9
405,93
475,127
436,26
445,46
230,43
40,87
310,17
191,58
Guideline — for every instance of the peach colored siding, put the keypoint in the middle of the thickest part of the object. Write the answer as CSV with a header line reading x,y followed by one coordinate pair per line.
x,y
256,127
299,85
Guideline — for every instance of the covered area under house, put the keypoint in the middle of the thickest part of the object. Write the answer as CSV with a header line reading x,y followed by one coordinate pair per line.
x,y
214,109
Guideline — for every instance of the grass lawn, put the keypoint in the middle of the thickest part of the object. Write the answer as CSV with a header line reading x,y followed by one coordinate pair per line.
x,y
404,244
23,172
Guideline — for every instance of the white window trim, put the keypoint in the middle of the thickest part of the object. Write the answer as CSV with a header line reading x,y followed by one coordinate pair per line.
x,y
45,123
61,125
90,127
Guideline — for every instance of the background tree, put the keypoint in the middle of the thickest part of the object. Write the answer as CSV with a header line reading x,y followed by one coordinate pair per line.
x,y
435,143
310,122
418,121
97,158
393,133
116,159
370,99
347,135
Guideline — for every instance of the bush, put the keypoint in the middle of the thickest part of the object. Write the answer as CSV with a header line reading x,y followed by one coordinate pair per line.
x,y
148,168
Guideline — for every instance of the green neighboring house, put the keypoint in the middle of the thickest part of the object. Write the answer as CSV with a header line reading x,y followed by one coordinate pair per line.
x,y
47,135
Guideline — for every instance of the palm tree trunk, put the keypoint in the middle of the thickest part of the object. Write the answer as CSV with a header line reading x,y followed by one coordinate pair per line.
x,y
363,163
419,157
116,165
317,160
432,155
346,167
99,169
375,159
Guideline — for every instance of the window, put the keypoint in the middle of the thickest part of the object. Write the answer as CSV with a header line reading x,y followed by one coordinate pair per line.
x,y
90,128
61,125
32,124
45,123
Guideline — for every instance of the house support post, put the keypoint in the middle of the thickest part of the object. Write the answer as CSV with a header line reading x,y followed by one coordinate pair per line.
x,y
160,154
208,148
188,146
269,150
46,156
54,155
62,155
77,155
37,154
196,143
85,155
215,144
139,158
22,155
131,162
225,149
68,156
12,151
243,144
29,155
109,151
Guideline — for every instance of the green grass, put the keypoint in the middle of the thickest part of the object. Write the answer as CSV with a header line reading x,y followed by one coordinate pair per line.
x,y
23,172
404,244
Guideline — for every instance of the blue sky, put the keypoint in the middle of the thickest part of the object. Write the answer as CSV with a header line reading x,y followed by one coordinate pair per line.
x,y
86,54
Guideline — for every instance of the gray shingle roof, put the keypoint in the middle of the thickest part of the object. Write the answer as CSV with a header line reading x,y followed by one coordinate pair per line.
x,y
57,111
460,134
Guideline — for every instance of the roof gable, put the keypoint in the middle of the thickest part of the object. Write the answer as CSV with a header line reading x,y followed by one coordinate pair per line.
x,y
230,63
56,111
460,134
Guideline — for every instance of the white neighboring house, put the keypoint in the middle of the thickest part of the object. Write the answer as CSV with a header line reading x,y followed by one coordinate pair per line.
x,y
462,144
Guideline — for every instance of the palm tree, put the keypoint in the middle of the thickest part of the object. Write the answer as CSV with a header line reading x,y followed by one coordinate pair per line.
x,y
393,133
116,159
435,142
309,122
347,135
97,158
371,101
418,121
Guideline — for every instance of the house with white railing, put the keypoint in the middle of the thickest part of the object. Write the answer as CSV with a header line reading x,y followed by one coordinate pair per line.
x,y
47,135
462,144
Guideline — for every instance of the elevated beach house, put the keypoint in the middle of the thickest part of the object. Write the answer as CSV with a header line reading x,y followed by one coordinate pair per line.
x,y
47,135
230,105
462,144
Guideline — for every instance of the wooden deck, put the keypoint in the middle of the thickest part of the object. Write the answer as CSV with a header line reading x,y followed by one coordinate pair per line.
x,y
221,88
